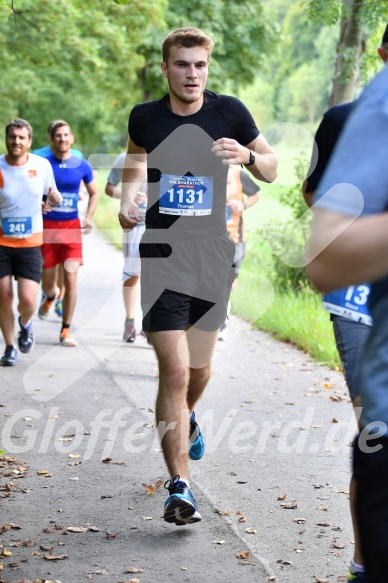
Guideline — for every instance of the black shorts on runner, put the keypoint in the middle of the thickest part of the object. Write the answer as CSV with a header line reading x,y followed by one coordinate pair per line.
x,y
186,278
23,262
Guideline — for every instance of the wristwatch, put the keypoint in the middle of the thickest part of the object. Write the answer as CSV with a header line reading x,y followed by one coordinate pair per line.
x,y
252,159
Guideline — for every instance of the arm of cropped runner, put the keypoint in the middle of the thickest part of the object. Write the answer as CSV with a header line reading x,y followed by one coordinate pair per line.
x,y
266,162
344,251
134,170
251,200
112,190
87,223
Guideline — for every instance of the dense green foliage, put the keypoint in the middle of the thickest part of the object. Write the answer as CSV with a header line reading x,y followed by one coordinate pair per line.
x,y
90,61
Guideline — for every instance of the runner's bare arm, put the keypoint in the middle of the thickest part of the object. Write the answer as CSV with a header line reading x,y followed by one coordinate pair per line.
x,y
87,223
343,250
266,162
134,170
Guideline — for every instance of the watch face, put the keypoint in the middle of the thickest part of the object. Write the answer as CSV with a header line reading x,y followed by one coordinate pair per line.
x,y
251,158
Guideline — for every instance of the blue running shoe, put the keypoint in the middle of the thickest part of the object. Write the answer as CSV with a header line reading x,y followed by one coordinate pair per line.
x,y
58,308
358,577
197,444
181,506
10,356
26,338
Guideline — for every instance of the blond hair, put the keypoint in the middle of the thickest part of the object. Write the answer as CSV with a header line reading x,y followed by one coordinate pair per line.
x,y
186,37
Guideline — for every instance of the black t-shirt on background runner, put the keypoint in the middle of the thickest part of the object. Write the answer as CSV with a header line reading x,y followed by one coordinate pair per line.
x,y
186,181
326,138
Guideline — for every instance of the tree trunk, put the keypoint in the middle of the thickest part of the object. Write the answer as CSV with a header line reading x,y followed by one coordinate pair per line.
x,y
350,49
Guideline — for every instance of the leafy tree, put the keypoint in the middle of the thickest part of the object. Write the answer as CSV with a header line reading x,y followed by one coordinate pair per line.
x,y
242,34
75,59
357,19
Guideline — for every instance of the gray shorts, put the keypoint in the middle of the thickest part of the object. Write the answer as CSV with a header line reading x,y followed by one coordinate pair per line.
x,y
350,337
186,279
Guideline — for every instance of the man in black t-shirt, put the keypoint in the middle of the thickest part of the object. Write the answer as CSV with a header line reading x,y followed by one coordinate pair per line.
x,y
186,142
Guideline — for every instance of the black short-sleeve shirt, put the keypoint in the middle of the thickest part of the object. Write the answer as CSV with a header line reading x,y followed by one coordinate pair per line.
x,y
186,181
326,138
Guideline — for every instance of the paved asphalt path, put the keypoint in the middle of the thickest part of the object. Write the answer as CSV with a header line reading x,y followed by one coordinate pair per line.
x,y
273,484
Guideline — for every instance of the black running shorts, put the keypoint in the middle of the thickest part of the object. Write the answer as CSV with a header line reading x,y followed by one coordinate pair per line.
x,y
186,278
21,262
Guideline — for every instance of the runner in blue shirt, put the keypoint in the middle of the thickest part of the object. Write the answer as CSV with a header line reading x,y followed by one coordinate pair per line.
x,y
62,227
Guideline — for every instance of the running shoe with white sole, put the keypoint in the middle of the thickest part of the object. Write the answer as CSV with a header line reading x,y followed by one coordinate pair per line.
x,y
181,506
46,304
129,331
66,338
10,356
196,442
26,339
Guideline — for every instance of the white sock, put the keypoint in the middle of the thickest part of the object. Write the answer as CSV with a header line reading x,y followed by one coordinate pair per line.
x,y
356,568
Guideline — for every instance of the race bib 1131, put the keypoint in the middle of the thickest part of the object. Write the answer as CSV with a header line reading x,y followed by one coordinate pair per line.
x,y
186,195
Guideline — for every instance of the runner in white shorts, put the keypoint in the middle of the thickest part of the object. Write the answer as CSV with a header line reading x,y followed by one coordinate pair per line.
x,y
131,240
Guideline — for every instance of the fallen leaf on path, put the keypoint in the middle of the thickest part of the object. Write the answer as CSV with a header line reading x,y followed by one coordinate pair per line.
x,y
218,542
42,472
74,455
334,420
299,520
110,535
108,460
77,528
337,546
250,530
323,524
289,505
151,488
318,580
335,398
6,553
98,572
282,497
243,555
284,562
55,557
242,482
148,517
133,570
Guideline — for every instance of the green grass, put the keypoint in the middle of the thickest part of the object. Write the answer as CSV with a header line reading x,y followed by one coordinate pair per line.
x,y
296,318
